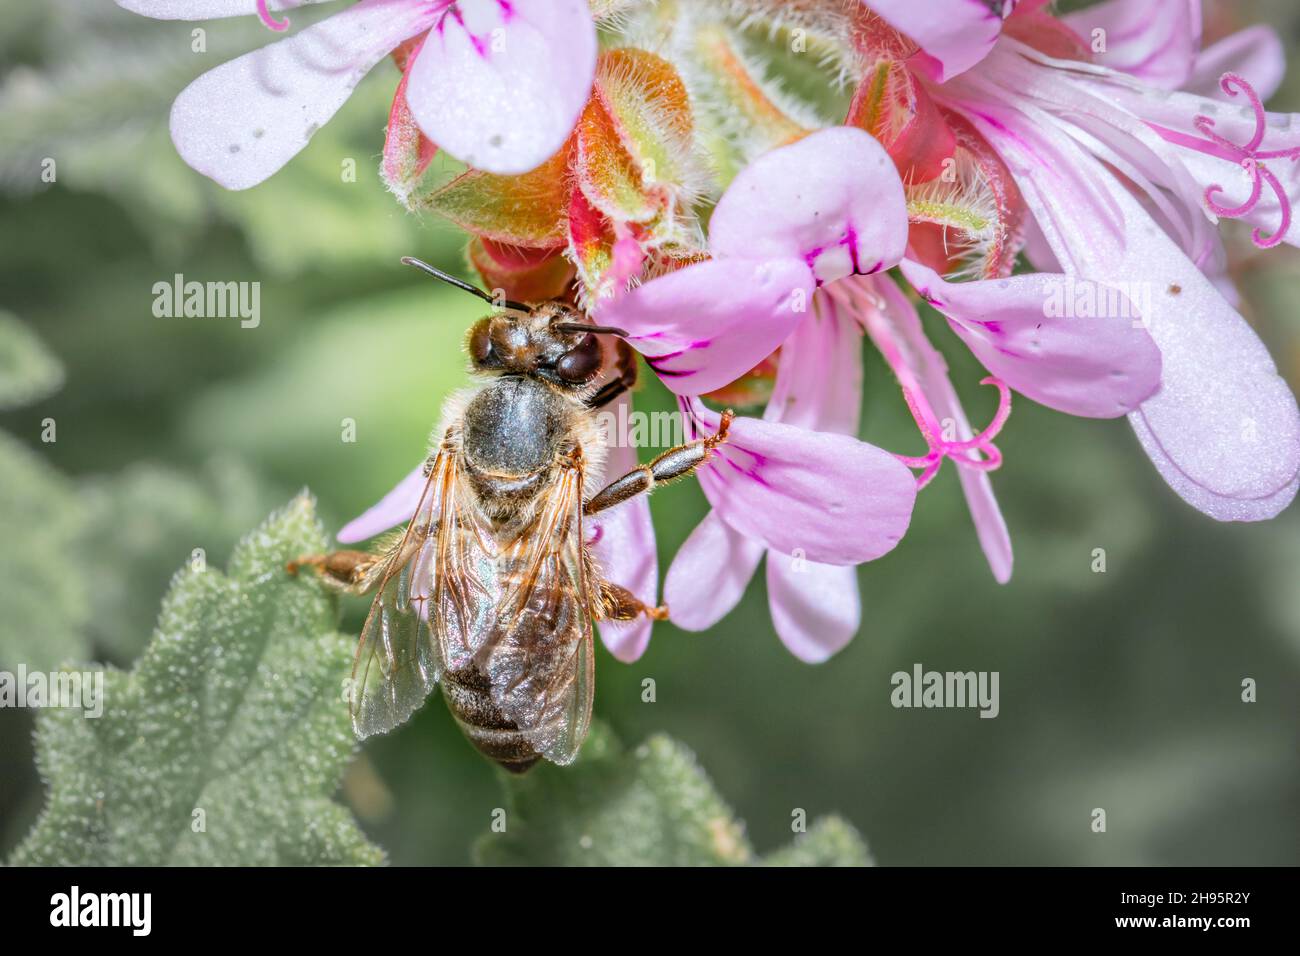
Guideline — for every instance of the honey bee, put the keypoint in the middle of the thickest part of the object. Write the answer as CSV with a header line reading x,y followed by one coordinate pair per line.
x,y
491,590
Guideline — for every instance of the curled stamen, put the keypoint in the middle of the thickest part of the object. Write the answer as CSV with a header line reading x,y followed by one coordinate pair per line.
x,y
958,451
1248,156
978,453
268,21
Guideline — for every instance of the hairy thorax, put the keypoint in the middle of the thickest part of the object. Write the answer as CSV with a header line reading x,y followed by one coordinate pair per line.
x,y
514,432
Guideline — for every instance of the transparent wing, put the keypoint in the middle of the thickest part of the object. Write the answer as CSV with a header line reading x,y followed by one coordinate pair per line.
x,y
540,661
398,659
465,592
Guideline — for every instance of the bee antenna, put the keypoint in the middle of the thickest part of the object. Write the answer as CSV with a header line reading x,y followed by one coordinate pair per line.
x,y
593,329
461,284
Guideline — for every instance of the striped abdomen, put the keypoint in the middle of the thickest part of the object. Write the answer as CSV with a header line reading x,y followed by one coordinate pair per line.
x,y
469,698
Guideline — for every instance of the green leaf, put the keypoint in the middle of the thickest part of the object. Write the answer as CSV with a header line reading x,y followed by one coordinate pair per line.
x,y
223,744
29,372
653,806
44,587
832,841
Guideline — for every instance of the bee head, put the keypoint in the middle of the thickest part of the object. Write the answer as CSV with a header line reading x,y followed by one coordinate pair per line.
x,y
548,341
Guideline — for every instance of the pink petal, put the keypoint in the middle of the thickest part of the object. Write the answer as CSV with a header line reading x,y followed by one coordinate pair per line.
x,y
1154,40
1113,117
931,374
1086,191
407,151
815,607
709,574
1217,506
1255,53
1223,420
709,323
956,33
242,121
391,510
819,373
832,200
1173,115
1094,107
1041,334
1036,250
499,85
204,9
624,549
829,498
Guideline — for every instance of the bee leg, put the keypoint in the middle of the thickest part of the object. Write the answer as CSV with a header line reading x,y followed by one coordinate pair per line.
x,y
341,570
674,463
626,365
619,604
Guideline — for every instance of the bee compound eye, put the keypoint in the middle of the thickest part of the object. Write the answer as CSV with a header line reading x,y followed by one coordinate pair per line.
x,y
581,362
480,343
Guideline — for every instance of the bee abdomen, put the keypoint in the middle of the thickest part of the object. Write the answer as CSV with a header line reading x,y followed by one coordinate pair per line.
x,y
469,698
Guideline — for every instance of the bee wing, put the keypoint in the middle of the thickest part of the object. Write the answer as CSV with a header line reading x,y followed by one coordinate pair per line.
x,y
540,662
398,660
465,591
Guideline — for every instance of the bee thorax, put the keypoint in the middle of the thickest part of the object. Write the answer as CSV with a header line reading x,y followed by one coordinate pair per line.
x,y
513,428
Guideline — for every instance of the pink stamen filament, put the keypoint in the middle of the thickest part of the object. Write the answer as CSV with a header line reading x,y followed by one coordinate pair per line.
x,y
941,448
1248,155
268,21
963,452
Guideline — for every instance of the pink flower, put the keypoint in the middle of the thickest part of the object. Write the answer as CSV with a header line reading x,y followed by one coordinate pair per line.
x,y
496,83
1160,44
818,223
1124,177
789,485
954,34
801,491
622,540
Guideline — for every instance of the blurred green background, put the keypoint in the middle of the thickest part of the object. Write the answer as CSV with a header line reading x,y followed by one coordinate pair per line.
x,y
1119,690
